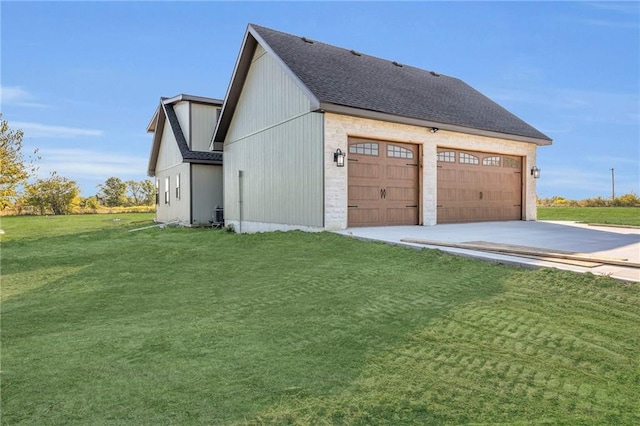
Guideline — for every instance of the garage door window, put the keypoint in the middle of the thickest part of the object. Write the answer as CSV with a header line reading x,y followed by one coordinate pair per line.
x,y
491,161
510,162
468,159
398,152
447,157
364,149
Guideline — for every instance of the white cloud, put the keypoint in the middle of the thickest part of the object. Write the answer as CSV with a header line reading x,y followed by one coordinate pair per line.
x,y
80,164
38,130
16,95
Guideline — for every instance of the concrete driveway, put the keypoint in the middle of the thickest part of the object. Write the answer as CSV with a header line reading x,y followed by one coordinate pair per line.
x,y
594,241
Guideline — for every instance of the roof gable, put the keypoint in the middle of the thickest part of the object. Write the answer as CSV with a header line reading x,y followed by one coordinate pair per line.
x,y
346,81
166,113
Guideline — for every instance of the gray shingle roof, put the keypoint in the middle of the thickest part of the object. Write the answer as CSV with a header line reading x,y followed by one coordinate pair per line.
x,y
342,77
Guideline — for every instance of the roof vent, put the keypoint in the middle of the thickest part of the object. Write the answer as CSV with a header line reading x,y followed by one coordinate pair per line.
x,y
307,40
435,74
355,53
397,64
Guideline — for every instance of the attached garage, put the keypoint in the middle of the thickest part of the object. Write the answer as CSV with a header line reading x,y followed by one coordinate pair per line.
x,y
383,183
478,186
422,148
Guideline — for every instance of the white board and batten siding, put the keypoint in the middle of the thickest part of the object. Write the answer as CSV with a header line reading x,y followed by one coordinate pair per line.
x,y
276,142
183,112
169,153
175,207
203,123
206,187
198,121
169,165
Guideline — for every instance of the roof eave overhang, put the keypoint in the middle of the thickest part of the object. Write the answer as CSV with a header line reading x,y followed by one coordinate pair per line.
x,y
202,161
156,126
375,115
192,98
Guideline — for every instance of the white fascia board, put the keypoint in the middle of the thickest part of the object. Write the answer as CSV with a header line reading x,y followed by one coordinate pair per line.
x,y
151,127
192,98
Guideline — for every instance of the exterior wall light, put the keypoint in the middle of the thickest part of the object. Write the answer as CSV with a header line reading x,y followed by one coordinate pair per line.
x,y
535,172
434,130
338,157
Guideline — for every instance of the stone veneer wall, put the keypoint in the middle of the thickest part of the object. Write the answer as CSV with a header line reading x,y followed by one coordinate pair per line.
x,y
337,129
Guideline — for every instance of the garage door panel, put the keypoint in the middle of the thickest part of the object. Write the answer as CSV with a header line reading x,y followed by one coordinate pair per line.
x,y
400,194
402,172
400,216
364,193
363,216
487,189
364,170
445,175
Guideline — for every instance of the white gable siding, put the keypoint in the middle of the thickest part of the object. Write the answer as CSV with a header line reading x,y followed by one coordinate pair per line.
x,y
169,154
274,97
203,123
184,117
276,142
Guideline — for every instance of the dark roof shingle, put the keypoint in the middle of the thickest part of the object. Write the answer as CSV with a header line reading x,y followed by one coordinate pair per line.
x,y
342,77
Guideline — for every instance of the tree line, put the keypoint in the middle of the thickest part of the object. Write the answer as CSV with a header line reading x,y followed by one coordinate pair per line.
x,y
626,200
55,194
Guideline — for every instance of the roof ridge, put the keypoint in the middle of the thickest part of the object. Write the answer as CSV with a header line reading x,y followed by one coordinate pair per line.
x,y
355,52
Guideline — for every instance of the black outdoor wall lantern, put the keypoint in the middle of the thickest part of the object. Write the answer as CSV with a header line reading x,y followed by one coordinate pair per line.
x,y
338,157
535,172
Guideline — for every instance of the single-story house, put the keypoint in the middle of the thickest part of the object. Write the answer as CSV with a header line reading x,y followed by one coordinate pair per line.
x,y
188,175
318,137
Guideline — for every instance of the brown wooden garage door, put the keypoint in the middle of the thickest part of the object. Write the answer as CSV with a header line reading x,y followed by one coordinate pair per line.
x,y
383,183
478,186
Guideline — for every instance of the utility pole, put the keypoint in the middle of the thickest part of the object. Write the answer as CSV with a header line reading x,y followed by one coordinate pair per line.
x,y
613,185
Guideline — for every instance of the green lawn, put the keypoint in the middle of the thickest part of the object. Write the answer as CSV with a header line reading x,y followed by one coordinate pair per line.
x,y
608,215
201,326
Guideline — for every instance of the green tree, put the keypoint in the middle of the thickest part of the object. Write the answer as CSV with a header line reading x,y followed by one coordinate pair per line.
x,y
56,194
89,204
134,191
113,192
148,192
14,168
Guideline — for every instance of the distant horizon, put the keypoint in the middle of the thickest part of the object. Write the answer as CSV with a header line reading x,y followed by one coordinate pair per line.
x,y
85,97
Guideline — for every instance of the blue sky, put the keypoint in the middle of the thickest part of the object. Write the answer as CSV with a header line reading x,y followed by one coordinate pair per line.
x,y
83,79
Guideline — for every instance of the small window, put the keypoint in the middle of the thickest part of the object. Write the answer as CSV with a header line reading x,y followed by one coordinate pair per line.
x,y
398,152
369,148
510,162
157,192
178,187
447,156
468,159
491,161
166,190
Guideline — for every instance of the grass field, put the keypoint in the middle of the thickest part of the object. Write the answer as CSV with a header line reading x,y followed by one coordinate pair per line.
x,y
201,326
608,215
